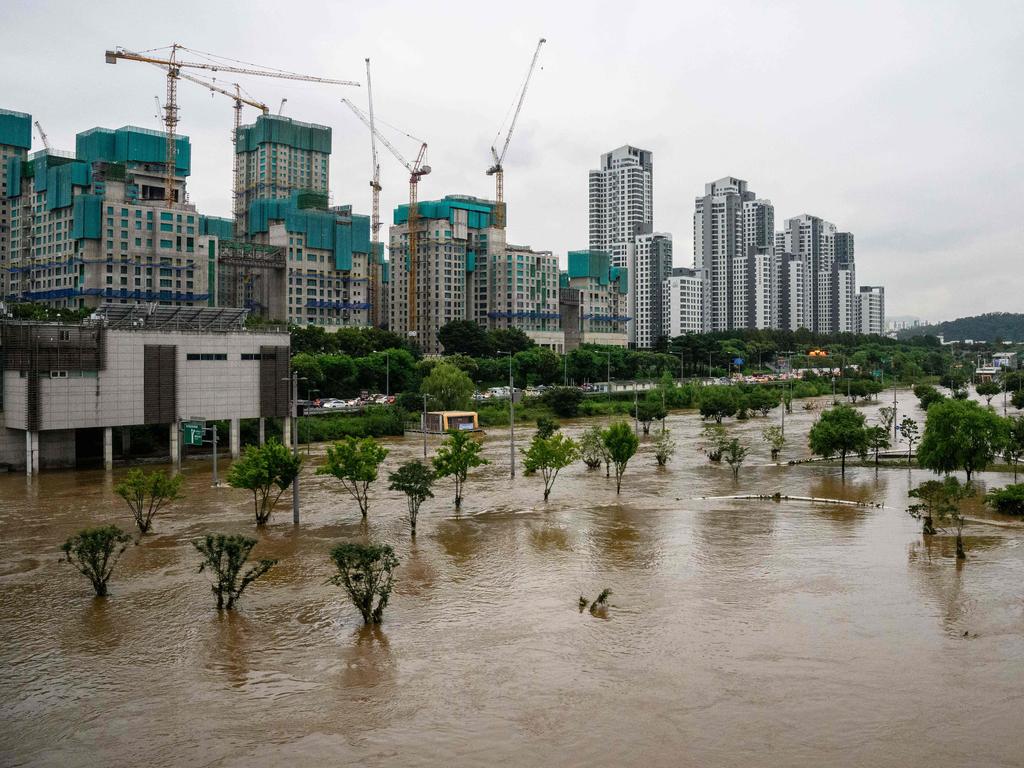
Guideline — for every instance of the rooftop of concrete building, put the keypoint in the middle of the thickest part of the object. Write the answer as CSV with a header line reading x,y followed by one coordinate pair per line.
x,y
15,129
277,129
480,210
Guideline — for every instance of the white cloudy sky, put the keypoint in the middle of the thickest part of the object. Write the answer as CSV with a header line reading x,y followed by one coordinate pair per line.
x,y
899,121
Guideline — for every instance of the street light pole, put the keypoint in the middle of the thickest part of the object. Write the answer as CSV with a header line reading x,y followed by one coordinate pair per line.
x,y
608,360
424,425
387,374
511,417
295,442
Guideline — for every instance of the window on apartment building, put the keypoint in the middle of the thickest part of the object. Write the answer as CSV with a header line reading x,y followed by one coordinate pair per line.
x,y
206,356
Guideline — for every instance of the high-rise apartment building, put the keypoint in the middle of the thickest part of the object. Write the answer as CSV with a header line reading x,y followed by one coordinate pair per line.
x,y
465,271
843,293
812,240
94,226
15,142
621,199
649,263
278,156
720,246
593,301
683,303
871,309
755,275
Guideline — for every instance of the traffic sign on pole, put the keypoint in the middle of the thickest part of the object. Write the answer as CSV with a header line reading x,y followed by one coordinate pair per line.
x,y
192,432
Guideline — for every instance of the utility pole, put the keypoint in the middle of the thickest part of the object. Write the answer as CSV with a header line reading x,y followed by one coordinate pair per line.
x,y
608,356
387,374
216,482
636,411
295,445
565,371
894,436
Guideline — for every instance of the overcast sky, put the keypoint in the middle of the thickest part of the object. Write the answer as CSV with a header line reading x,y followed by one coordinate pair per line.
x,y
901,122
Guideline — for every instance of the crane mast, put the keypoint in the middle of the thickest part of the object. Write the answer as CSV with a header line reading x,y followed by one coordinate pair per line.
x,y
498,169
173,65
417,170
42,135
375,284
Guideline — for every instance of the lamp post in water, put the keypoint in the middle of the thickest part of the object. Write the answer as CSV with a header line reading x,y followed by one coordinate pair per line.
x,y
511,417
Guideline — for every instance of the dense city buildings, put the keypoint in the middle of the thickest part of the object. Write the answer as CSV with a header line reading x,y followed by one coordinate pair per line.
x,y
719,248
466,271
96,226
621,199
593,301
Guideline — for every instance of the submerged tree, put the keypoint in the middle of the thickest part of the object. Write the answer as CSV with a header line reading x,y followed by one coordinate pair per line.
x,y
715,440
592,449
458,454
268,471
146,493
735,454
877,440
355,462
775,437
911,433
940,502
988,390
415,481
840,430
548,455
649,410
960,434
366,572
664,448
94,552
546,426
621,444
225,556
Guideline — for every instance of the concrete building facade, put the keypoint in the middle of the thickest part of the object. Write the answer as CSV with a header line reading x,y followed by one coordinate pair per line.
x,y
621,199
871,310
719,248
594,301
94,226
65,387
649,263
683,304
522,292
15,142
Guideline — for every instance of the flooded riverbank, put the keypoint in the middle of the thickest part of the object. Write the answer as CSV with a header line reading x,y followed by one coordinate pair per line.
x,y
741,632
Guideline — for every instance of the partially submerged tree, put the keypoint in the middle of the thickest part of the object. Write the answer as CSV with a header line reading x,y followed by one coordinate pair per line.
x,y
988,390
840,430
366,573
458,454
926,394
548,455
415,481
146,493
1014,447
592,449
911,433
94,552
621,444
735,454
546,426
714,441
225,556
355,462
649,410
268,471
716,402
877,440
939,503
664,448
775,437
763,399
960,435
886,416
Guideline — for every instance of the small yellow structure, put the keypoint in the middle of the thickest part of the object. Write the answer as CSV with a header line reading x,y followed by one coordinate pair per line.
x,y
439,422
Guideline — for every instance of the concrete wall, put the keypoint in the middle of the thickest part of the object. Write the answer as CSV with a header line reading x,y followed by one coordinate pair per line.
x,y
12,447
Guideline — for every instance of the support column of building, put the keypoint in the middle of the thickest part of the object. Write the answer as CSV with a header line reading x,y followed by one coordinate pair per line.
x,y
286,431
263,430
108,448
235,437
126,442
31,452
175,443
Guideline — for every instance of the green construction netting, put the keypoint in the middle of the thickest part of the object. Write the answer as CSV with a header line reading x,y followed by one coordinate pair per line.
x,y
590,264
215,225
479,211
15,129
14,165
131,144
61,180
274,129
86,216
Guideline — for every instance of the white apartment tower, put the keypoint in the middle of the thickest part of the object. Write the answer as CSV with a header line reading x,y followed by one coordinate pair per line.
x,y
649,263
812,240
871,309
621,199
683,303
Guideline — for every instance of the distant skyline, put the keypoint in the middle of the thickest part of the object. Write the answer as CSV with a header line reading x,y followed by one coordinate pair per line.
x,y
897,121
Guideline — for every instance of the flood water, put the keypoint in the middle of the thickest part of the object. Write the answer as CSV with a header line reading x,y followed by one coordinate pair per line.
x,y
748,633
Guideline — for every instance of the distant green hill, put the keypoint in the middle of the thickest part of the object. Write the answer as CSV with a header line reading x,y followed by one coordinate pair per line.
x,y
1005,326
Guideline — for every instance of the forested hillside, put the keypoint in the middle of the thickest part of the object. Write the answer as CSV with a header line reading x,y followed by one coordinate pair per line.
x,y
1002,326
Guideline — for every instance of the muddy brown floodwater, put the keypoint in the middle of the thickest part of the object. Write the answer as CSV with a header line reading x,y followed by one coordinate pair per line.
x,y
744,633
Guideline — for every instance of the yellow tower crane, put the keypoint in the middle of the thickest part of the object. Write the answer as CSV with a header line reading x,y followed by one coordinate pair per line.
x,y
375,285
173,66
417,170
498,169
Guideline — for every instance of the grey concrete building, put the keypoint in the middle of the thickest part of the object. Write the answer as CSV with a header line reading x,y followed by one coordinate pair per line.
x,y
621,199
66,387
